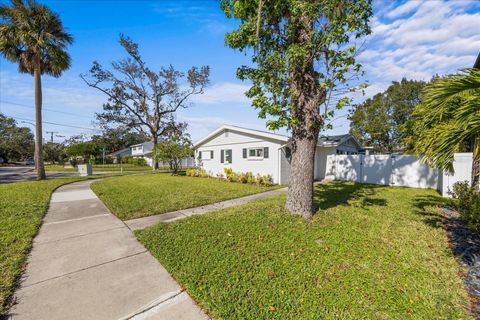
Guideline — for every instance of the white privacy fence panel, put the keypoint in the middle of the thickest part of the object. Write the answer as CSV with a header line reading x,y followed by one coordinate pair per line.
x,y
346,167
397,170
185,162
408,171
376,169
462,167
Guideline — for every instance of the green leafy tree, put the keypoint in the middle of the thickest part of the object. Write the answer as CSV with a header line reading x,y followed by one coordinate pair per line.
x,y
87,150
53,152
449,116
114,139
172,150
383,120
303,55
141,98
33,36
16,143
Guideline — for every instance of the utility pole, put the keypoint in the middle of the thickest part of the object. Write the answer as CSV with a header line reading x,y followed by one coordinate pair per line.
x,y
51,133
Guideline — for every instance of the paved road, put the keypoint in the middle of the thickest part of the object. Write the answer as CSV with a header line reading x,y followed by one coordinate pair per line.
x,y
24,173
86,264
5,171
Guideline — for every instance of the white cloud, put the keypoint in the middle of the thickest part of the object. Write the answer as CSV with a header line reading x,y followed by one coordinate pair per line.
x,y
419,39
223,93
403,9
65,94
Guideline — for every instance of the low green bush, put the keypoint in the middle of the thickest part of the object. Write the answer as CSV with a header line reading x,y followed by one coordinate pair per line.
x,y
232,176
468,203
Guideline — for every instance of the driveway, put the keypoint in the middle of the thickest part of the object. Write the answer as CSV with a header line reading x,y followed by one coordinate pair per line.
x,y
25,173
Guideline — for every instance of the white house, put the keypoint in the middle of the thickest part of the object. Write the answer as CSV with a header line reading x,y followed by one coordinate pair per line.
x,y
262,152
144,150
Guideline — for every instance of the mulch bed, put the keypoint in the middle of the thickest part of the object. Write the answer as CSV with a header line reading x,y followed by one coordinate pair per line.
x,y
465,245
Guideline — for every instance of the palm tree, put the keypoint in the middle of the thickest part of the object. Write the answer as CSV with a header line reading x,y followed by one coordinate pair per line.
x,y
33,36
448,117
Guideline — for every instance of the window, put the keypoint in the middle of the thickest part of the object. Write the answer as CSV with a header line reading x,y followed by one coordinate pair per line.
x,y
255,153
226,156
206,155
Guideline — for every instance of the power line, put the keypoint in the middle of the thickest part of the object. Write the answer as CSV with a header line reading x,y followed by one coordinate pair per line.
x,y
46,109
56,124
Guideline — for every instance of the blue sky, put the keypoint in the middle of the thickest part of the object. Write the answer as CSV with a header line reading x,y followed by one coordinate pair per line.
x,y
414,39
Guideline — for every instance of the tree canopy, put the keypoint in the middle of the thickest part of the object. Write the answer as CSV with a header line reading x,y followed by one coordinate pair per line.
x,y
383,120
16,143
173,149
141,98
33,36
117,138
303,64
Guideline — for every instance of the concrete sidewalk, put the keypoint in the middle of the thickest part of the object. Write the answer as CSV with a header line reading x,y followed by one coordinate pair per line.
x,y
86,264
141,223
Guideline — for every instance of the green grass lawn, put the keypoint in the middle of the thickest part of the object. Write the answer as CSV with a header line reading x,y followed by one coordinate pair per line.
x,y
100,167
148,194
22,207
370,252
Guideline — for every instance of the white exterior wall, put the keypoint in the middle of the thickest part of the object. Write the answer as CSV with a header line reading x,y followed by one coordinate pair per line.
x,y
137,151
462,171
237,142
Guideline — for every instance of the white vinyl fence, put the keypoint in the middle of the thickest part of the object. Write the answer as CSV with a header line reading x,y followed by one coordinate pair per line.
x,y
396,170
185,163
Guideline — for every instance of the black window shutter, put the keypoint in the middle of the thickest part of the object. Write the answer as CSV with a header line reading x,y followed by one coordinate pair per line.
x,y
230,157
288,152
211,154
244,153
200,155
222,156
265,152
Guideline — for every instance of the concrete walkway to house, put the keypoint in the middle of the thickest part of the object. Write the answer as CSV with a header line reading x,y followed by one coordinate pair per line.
x,y
141,223
86,264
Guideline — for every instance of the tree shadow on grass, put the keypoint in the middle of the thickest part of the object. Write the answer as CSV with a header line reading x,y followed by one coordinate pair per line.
x,y
432,218
336,193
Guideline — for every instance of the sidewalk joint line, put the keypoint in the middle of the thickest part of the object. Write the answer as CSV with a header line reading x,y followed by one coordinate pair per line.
x,y
78,235
83,269
139,313
76,219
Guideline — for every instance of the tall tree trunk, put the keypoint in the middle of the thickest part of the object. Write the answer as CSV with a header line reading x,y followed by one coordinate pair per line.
x,y
306,99
38,126
154,161
476,164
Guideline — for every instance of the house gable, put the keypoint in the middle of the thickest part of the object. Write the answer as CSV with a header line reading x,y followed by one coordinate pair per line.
x,y
228,135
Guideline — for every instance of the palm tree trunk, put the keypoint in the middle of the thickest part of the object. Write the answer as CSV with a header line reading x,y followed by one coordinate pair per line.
x,y
38,126
476,164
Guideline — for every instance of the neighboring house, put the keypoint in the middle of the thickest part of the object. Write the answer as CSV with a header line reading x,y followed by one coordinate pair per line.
x,y
120,154
260,152
145,150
